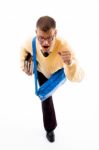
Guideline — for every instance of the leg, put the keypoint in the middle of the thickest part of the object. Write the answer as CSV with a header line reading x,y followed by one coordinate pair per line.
x,y
49,117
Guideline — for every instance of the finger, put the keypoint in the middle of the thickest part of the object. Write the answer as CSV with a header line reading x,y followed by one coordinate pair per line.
x,y
59,53
26,67
65,52
68,62
66,56
30,70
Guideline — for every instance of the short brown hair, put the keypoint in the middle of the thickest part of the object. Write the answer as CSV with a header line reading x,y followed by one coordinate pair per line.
x,y
45,23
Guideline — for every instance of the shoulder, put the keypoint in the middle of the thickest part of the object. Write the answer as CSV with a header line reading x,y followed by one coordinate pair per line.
x,y
27,44
62,43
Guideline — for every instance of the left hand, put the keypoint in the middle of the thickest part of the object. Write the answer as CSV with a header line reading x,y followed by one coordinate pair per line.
x,y
28,68
66,57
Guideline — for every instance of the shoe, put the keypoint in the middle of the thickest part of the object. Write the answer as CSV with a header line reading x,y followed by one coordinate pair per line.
x,y
50,136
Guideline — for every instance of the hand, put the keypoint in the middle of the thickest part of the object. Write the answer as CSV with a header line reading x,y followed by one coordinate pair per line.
x,y
28,67
66,57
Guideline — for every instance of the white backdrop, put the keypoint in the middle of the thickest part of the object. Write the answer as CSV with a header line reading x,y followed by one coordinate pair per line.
x,y
77,104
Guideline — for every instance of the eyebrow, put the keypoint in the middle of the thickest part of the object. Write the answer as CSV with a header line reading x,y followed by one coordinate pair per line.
x,y
46,37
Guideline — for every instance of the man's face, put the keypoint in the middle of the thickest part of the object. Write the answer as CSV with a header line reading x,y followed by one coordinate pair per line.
x,y
46,39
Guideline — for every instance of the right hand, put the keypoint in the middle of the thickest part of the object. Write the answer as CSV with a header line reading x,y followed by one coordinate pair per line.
x,y
28,69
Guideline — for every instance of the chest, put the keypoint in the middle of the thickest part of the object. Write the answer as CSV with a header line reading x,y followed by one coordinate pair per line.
x,y
50,63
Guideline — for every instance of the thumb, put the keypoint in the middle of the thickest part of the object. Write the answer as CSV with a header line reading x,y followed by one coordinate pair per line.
x,y
59,53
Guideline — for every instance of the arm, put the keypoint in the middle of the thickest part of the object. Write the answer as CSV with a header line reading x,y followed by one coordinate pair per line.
x,y
74,72
72,69
26,57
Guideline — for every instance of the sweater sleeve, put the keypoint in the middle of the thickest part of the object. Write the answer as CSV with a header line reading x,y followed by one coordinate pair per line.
x,y
73,71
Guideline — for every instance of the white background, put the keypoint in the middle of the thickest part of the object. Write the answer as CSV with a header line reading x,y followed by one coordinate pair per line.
x,y
76,104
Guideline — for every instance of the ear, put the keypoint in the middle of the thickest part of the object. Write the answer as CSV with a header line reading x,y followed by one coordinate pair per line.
x,y
55,32
36,31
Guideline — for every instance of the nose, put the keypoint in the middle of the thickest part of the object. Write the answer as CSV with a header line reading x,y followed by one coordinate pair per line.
x,y
45,42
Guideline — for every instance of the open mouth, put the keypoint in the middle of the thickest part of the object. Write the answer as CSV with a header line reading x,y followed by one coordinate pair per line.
x,y
45,47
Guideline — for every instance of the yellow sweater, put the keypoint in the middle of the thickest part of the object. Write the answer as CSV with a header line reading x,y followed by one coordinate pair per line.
x,y
50,64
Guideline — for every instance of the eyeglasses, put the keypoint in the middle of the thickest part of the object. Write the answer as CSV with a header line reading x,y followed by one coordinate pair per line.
x,y
48,39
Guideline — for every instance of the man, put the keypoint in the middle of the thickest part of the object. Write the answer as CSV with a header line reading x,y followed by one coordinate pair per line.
x,y
52,54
